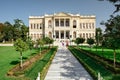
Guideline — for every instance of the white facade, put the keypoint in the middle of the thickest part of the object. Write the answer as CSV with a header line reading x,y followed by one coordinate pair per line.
x,y
62,26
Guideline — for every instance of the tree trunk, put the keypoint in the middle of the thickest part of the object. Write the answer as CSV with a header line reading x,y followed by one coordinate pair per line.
x,y
21,66
114,58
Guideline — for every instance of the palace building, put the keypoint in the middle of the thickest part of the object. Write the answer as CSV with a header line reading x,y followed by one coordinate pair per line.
x,y
62,26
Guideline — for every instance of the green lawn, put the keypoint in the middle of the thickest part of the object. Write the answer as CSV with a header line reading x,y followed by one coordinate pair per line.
x,y
92,64
108,53
9,58
39,65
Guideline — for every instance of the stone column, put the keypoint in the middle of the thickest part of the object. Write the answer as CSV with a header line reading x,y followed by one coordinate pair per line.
x,y
59,34
64,34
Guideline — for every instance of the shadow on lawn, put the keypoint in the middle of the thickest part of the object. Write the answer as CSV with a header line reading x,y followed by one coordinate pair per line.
x,y
32,54
14,62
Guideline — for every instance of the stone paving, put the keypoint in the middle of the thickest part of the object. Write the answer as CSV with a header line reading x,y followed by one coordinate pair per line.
x,y
66,67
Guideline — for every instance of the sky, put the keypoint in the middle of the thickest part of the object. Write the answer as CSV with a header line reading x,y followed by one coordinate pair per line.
x,y
22,9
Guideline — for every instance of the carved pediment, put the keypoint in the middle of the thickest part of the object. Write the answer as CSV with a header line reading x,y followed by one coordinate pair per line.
x,y
62,14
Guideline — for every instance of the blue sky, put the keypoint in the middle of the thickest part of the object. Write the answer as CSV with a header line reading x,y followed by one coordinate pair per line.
x,y
22,9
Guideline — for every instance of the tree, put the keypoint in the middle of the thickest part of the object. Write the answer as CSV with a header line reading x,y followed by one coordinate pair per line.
x,y
8,31
40,42
112,34
98,37
113,44
77,41
30,43
51,41
47,41
90,41
24,32
1,32
20,46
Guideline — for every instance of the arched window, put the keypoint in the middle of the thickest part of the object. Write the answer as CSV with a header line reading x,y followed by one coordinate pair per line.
x,y
50,35
49,24
74,34
84,35
74,24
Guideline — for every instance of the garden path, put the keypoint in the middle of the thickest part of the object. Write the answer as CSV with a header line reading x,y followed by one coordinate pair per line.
x,y
66,67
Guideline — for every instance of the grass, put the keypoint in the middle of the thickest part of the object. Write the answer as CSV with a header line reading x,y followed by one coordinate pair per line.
x,y
9,58
108,53
93,65
39,65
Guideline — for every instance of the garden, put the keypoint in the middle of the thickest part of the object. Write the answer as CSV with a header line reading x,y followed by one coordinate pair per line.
x,y
94,65
10,58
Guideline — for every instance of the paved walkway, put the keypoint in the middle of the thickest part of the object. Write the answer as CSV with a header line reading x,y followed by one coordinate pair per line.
x,y
66,67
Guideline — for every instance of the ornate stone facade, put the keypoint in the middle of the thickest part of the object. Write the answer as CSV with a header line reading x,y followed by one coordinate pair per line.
x,y
62,26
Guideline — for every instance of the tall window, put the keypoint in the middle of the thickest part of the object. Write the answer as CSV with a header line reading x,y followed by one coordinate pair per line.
x,y
93,25
80,25
37,26
49,24
86,25
80,35
83,25
90,25
89,35
67,22
40,26
84,35
38,36
62,22
56,22
74,34
31,26
93,34
67,34
74,24
34,26
57,34
50,35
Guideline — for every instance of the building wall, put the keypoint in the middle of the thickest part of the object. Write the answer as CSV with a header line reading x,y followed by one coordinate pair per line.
x,y
40,26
